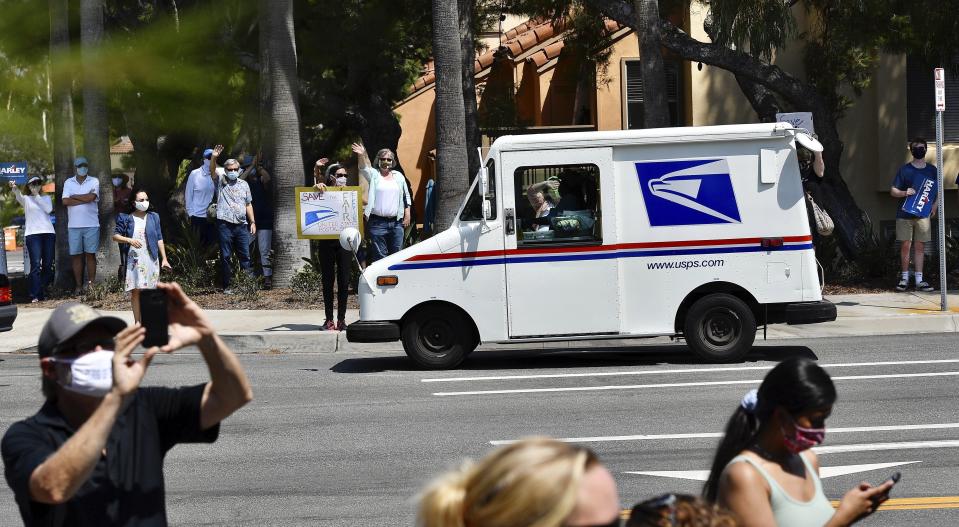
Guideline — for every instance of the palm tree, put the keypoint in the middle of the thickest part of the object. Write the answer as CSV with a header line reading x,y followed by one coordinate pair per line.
x,y
468,58
281,134
96,143
452,168
62,121
655,102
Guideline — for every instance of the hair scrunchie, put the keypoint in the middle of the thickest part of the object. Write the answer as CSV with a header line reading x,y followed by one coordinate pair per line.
x,y
750,401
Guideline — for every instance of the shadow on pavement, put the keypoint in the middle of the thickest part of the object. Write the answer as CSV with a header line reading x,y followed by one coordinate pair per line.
x,y
555,358
295,327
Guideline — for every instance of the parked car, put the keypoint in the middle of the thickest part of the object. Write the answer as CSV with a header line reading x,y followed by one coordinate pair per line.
x,y
8,310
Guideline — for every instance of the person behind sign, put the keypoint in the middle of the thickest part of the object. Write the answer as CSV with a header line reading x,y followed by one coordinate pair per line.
x,y
39,236
332,255
261,188
93,454
387,209
81,193
913,228
235,219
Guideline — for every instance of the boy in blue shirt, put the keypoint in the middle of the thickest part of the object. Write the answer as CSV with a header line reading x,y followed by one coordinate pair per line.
x,y
913,227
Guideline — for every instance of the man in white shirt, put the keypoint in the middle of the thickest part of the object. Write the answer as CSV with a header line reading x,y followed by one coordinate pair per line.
x,y
81,194
198,195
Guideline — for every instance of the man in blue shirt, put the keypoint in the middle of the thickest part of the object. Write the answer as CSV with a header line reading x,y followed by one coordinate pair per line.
x,y
913,227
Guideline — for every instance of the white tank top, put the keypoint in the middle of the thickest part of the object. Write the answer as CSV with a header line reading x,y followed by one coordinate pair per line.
x,y
788,511
387,200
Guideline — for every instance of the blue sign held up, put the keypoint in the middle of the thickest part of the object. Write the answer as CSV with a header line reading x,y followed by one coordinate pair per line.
x,y
16,172
920,203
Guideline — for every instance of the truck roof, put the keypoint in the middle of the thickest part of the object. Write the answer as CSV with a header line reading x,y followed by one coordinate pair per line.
x,y
733,132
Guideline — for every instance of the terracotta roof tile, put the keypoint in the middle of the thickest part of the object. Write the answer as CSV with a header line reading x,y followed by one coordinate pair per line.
x,y
123,146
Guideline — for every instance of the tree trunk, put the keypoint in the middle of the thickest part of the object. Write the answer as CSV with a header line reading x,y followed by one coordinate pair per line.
x,y
655,98
853,228
96,138
468,55
61,118
283,126
452,165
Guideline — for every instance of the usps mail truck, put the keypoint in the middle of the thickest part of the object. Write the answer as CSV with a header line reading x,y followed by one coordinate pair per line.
x,y
699,233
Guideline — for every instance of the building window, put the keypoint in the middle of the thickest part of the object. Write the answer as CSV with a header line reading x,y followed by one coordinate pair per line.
x,y
634,94
921,103
558,205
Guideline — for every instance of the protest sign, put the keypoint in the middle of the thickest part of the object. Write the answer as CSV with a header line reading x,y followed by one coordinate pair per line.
x,y
16,172
798,120
323,215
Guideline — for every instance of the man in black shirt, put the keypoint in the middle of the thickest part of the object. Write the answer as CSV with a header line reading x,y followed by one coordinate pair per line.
x,y
93,454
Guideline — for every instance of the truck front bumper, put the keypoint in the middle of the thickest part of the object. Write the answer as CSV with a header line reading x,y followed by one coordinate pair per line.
x,y
810,312
373,331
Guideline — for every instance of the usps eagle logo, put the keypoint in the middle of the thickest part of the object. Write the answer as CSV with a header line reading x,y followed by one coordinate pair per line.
x,y
688,192
321,213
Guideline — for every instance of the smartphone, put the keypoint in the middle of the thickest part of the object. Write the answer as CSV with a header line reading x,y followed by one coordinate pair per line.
x,y
894,478
153,317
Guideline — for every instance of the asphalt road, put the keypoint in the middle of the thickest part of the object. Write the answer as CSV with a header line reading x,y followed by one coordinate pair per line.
x,y
349,439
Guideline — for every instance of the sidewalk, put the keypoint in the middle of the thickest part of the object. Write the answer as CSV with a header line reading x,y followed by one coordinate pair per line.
x,y
298,331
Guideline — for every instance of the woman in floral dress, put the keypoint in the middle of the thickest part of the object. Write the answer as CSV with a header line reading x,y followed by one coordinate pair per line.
x,y
141,229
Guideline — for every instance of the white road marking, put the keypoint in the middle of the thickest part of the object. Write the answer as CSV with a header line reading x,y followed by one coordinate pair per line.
x,y
874,447
687,370
716,435
686,384
824,472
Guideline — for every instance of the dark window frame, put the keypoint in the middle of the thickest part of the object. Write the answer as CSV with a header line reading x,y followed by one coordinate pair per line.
x,y
920,103
521,181
632,95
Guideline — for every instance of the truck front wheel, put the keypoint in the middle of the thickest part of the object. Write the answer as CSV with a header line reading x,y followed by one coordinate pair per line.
x,y
720,328
438,338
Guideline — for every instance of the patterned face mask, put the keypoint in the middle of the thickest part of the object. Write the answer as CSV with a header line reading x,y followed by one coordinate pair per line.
x,y
803,438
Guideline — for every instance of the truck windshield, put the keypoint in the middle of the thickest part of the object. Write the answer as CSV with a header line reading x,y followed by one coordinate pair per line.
x,y
473,211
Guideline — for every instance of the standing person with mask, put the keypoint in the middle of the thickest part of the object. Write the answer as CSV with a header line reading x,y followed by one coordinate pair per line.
x,y
235,219
387,208
141,232
81,194
261,189
39,235
93,455
764,470
198,195
122,204
914,231
334,260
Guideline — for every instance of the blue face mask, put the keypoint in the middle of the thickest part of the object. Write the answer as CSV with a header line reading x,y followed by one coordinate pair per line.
x,y
82,171
232,174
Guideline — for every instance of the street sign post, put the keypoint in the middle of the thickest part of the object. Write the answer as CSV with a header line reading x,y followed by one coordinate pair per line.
x,y
940,80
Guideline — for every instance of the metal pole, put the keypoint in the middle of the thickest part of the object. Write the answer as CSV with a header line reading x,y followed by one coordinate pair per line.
x,y
942,215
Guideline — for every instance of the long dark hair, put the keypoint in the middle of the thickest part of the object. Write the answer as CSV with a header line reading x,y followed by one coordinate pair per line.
x,y
797,385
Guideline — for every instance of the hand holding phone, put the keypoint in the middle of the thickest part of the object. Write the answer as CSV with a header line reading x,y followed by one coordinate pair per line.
x,y
154,317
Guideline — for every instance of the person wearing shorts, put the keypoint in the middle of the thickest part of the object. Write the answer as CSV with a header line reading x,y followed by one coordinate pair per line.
x,y
81,194
913,232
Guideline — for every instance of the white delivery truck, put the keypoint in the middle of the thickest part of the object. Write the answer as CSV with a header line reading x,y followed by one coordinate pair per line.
x,y
700,233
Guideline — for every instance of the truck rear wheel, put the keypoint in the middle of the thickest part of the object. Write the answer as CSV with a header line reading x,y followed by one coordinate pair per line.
x,y
720,328
438,338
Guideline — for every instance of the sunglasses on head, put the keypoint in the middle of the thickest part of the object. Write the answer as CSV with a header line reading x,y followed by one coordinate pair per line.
x,y
657,506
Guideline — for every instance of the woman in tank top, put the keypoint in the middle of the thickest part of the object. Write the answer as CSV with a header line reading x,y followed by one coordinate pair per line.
x,y
764,470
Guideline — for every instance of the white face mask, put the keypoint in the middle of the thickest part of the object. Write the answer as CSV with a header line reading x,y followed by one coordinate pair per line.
x,y
117,181
90,374
142,205
341,181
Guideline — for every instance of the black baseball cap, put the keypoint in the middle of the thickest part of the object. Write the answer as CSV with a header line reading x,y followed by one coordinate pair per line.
x,y
69,319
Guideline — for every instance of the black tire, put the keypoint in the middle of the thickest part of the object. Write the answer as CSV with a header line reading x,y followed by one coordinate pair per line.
x,y
720,328
438,338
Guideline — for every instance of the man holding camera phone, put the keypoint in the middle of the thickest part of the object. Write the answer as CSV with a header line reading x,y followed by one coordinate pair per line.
x,y
93,454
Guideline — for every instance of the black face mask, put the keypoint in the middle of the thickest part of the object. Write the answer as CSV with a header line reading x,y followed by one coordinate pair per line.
x,y
919,152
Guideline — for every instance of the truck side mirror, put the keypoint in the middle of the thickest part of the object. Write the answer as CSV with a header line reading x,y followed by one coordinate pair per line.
x,y
483,189
350,239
